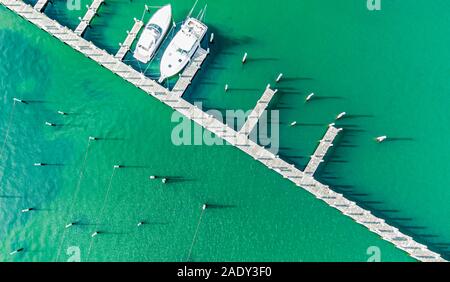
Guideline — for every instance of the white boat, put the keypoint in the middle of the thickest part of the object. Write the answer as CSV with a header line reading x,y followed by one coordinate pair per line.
x,y
182,47
153,34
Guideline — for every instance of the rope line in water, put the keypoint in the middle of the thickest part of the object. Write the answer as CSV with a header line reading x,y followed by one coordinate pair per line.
x,y
195,234
100,215
75,197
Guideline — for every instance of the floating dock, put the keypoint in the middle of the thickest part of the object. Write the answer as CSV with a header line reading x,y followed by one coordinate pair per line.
x,y
257,112
238,139
189,72
90,14
40,5
126,45
324,145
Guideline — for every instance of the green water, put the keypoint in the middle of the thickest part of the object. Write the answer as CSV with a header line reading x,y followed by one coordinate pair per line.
x,y
387,69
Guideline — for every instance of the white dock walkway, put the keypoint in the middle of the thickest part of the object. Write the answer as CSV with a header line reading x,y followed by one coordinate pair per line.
x,y
90,14
325,144
189,72
126,45
40,5
241,141
257,112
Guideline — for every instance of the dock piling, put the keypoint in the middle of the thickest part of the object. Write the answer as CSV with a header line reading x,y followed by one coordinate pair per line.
x,y
310,96
341,115
27,210
381,139
244,59
16,251
280,76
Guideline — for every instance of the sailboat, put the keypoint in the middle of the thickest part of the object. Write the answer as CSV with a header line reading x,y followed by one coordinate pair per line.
x,y
153,34
183,46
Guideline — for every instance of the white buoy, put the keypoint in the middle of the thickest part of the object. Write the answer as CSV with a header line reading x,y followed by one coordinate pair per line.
x,y
226,87
310,96
27,210
152,177
211,38
70,224
341,115
95,234
18,100
279,77
244,59
140,223
381,139
204,206
164,180
294,123
49,123
16,251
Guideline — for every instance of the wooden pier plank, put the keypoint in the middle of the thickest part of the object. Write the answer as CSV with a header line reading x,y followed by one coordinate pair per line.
x,y
325,144
40,5
258,111
126,45
90,14
189,72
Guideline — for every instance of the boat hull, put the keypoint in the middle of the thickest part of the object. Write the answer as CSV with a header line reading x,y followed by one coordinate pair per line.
x,y
153,34
182,48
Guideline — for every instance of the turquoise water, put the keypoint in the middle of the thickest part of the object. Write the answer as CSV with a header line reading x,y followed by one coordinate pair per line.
x,y
387,69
